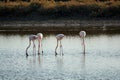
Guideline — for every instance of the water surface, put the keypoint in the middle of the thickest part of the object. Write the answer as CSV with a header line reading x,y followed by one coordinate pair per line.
x,y
101,61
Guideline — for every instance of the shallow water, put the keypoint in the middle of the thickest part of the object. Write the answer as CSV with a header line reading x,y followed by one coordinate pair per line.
x,y
101,61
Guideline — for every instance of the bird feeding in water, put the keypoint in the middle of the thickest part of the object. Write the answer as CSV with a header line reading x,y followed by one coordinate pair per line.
x,y
40,37
82,35
32,38
59,37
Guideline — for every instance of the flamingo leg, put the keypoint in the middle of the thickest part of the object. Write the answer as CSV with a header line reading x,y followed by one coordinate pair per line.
x,y
84,45
56,48
28,47
34,47
38,47
41,47
61,48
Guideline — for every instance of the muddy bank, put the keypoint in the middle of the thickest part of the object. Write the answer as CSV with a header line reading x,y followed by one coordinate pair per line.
x,y
60,25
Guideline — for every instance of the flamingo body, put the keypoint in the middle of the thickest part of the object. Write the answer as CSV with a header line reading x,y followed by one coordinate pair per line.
x,y
40,35
59,36
33,37
82,34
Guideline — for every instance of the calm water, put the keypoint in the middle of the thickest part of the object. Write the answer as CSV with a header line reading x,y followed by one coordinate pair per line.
x,y
101,62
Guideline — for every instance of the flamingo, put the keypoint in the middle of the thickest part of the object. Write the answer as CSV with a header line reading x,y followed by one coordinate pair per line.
x,y
32,38
59,37
82,35
40,37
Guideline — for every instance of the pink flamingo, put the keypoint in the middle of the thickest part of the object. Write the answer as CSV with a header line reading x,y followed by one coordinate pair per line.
x,y
82,35
32,38
59,37
40,37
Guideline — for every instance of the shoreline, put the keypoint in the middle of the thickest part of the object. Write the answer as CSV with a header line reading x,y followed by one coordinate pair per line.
x,y
61,24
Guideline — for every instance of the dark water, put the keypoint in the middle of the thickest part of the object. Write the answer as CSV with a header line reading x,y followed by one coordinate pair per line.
x,y
101,61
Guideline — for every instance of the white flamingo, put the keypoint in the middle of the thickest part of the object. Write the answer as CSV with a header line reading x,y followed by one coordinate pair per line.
x,y
32,38
59,37
82,35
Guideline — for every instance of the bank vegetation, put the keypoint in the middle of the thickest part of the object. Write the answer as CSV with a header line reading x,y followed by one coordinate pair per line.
x,y
52,9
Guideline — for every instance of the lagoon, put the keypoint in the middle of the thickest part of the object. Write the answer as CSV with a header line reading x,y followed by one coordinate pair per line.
x,y
100,62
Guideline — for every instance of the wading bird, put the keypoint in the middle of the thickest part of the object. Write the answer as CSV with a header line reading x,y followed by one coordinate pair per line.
x,y
82,35
59,37
32,38
40,37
